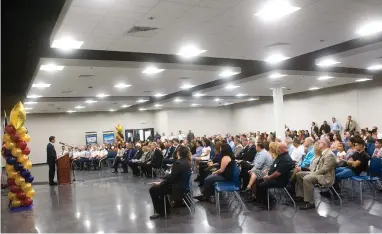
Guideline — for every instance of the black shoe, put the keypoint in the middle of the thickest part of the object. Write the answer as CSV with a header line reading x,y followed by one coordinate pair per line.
x,y
197,179
115,171
155,216
307,206
53,184
245,191
298,199
200,198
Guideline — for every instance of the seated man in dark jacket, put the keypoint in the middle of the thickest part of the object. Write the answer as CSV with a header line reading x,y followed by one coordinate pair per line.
x,y
134,162
247,156
155,161
277,177
174,183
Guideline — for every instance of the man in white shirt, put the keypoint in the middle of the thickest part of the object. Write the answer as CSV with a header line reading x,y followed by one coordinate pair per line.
x,y
298,152
181,136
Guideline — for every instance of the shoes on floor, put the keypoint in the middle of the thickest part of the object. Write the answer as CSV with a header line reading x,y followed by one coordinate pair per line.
x,y
115,171
155,216
307,206
197,179
298,199
53,184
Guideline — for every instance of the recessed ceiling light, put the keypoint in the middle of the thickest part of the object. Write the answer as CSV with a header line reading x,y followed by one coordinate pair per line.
x,y
276,58
178,100
187,86
125,106
142,109
158,105
375,67
281,87
111,110
198,94
231,87
141,100
218,99
227,103
324,78
370,28
276,75
91,101
362,79
195,104
313,88
227,73
79,107
327,63
152,70
241,94
51,67
122,86
253,99
102,95
274,10
190,51
28,108
67,44
34,96
71,111
30,103
41,85
159,95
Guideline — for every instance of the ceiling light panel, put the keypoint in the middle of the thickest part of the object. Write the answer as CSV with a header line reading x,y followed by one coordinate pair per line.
x,y
324,78
313,88
102,95
79,107
227,73
276,58
231,87
190,51
375,67
362,80
198,94
41,85
142,100
121,86
90,101
34,96
276,9
187,86
327,63
30,103
51,67
370,28
276,75
177,100
241,94
67,44
152,70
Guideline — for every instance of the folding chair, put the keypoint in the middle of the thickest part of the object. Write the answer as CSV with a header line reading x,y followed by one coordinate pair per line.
x,y
374,174
229,187
285,190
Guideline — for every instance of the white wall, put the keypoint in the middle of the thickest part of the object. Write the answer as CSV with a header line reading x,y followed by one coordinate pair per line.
x,y
301,110
71,128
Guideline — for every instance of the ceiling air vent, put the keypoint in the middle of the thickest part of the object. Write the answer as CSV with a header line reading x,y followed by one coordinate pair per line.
x,y
184,78
67,91
141,31
147,91
85,76
277,44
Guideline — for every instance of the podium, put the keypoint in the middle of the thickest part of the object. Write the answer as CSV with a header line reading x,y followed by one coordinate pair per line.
x,y
63,170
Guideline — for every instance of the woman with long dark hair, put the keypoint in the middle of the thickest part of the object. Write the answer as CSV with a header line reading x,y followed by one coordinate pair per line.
x,y
225,173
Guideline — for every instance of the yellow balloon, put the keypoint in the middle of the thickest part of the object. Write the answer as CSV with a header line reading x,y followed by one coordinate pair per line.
x,y
22,131
26,187
19,180
11,196
27,164
9,168
22,158
6,138
10,145
26,138
16,152
18,116
12,174
30,193
16,203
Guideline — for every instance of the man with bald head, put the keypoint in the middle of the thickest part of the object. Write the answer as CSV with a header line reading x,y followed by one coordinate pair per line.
x,y
277,176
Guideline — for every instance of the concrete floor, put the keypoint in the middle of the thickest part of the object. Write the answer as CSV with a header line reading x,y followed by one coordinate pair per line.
x,y
106,203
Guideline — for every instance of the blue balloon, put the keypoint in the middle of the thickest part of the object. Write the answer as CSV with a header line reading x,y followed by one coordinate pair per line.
x,y
11,160
8,153
18,166
25,173
29,179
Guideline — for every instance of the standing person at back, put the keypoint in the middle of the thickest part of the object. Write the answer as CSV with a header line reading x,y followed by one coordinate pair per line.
x,y
190,136
51,157
350,125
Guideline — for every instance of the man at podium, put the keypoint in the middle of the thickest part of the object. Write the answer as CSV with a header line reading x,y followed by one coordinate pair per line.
x,y
51,157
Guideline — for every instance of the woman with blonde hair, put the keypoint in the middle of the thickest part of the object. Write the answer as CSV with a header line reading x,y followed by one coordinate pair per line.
x,y
274,149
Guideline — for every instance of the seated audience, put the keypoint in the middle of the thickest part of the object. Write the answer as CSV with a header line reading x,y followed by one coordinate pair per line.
x,y
355,165
262,164
305,163
174,183
277,176
206,169
171,153
378,149
325,128
322,173
154,162
225,173
198,151
337,140
245,160
340,152
141,156
238,147
118,158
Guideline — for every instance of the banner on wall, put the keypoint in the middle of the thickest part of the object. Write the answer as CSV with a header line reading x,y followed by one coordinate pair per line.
x,y
108,137
91,138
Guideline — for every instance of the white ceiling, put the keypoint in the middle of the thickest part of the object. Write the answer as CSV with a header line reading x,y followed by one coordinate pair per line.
x,y
225,28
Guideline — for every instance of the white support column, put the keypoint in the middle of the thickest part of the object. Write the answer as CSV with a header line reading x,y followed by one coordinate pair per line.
x,y
278,111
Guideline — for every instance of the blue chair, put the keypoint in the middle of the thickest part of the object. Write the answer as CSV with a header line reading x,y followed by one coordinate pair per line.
x,y
111,157
370,147
229,187
374,175
187,197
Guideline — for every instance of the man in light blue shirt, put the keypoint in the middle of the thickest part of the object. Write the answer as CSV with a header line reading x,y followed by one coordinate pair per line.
x,y
336,126
305,163
231,143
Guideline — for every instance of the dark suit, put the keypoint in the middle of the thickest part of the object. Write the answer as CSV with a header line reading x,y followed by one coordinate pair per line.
x,y
247,155
134,165
129,154
154,162
324,127
51,157
170,157
314,129
174,184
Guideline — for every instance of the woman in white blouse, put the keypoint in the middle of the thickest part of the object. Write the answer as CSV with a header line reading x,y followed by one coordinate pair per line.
x,y
206,151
